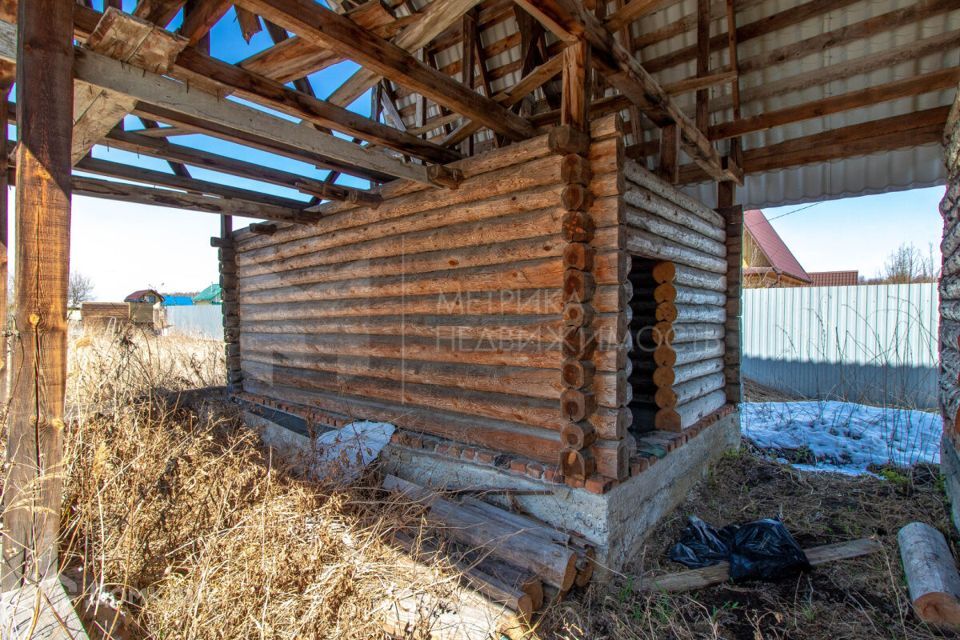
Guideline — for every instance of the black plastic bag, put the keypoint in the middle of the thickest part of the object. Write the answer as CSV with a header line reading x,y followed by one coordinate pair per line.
x,y
762,549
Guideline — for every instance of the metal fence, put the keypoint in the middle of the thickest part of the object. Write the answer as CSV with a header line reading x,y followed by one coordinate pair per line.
x,y
204,320
871,343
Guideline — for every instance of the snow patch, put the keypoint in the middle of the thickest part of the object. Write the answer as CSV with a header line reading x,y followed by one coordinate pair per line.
x,y
842,436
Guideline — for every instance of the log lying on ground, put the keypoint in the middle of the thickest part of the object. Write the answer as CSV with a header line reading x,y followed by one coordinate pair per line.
x,y
553,563
686,415
719,573
931,574
475,576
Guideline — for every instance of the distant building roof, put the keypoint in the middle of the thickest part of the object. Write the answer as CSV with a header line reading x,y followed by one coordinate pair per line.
x,y
834,278
142,295
176,300
211,294
772,246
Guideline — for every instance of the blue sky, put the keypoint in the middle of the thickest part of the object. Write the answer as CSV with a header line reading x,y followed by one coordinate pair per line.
x,y
123,247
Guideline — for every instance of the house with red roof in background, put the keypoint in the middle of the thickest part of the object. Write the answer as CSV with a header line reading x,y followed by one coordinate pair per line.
x,y
768,262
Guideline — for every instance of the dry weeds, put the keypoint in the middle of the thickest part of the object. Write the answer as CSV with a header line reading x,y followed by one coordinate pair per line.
x,y
177,526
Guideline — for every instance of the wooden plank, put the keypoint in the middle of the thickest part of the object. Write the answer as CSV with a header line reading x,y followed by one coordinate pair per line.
x,y
720,573
132,41
40,612
323,27
249,24
32,491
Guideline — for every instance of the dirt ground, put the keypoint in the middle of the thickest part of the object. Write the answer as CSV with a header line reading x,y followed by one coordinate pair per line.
x,y
859,598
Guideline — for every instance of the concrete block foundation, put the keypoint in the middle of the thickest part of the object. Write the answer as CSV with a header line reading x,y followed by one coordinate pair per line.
x,y
617,522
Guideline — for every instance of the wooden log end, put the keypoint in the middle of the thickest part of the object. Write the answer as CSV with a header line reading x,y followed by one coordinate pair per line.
x,y
668,420
578,226
577,405
566,140
579,255
578,435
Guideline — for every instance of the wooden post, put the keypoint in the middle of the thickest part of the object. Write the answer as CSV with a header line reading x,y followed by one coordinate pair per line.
x,y
4,240
703,63
32,491
575,103
669,163
950,278
732,343
230,302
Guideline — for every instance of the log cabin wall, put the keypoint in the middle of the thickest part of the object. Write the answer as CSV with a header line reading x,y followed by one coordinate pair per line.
x,y
679,304
439,310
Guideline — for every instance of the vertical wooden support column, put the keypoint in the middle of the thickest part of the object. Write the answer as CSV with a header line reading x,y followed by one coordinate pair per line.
x,y
4,239
703,63
572,141
733,330
32,491
950,282
227,256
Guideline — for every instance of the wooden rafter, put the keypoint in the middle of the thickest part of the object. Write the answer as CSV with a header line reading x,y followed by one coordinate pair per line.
x,y
142,145
201,16
159,12
634,10
437,17
569,22
323,27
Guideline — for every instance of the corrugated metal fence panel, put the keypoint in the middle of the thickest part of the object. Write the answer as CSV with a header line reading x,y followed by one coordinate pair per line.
x,y
204,320
870,342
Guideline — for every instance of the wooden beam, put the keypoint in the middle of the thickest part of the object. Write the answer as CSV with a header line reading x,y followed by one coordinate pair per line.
x,y
191,185
4,237
159,12
295,58
669,162
703,63
524,87
112,190
33,485
314,23
897,132
249,24
575,104
275,95
634,10
913,86
435,19
130,40
136,143
202,16
567,19
228,119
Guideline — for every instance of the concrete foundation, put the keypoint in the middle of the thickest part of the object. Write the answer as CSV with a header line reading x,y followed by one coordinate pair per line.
x,y
950,469
617,522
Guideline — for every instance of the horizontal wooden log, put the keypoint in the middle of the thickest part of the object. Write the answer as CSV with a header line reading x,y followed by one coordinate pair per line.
x,y
643,200
644,178
668,292
650,223
686,415
612,458
577,374
669,333
577,464
577,405
575,169
578,435
649,245
579,255
578,286
669,376
686,353
670,397
507,437
578,314
686,313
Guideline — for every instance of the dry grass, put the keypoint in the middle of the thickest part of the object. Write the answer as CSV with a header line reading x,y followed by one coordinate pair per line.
x,y
861,598
181,524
